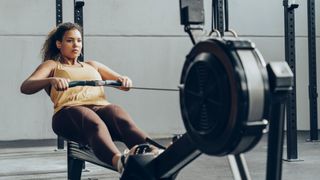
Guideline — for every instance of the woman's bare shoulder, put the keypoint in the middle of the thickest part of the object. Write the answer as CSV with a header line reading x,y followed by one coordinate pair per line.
x,y
49,63
93,63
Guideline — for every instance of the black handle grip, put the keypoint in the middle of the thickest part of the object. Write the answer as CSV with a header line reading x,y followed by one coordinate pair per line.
x,y
81,83
95,83
75,83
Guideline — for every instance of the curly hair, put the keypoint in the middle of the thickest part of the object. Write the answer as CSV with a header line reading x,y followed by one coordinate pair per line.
x,y
49,49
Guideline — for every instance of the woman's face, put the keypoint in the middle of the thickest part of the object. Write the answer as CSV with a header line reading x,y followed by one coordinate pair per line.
x,y
71,44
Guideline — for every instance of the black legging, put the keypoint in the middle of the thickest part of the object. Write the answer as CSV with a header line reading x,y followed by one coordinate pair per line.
x,y
98,126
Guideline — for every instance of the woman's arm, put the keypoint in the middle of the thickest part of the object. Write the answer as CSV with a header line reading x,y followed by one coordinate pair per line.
x,y
41,79
108,74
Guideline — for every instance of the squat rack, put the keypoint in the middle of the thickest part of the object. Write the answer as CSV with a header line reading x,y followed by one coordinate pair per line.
x,y
59,20
290,57
78,18
313,94
292,149
219,7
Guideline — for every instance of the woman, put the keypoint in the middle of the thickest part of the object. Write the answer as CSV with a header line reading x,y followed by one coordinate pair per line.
x,y
83,114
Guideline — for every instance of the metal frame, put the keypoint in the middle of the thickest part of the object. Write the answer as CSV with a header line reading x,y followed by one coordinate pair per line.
x,y
78,18
59,20
313,95
59,14
78,12
217,15
77,155
290,57
281,83
191,13
275,138
166,166
239,167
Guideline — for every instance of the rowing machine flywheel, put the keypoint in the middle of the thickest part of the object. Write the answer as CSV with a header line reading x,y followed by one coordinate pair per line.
x,y
224,96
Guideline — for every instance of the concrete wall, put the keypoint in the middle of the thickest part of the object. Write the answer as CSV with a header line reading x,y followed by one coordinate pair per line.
x,y
142,39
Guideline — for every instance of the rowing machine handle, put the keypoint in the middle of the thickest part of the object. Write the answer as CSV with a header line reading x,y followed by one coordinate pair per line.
x,y
112,83
81,83
95,83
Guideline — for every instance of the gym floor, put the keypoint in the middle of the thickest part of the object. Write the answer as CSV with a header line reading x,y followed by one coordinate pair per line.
x,y
25,160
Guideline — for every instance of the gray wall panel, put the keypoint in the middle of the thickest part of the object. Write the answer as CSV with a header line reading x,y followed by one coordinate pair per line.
x,y
142,17
253,17
22,116
266,18
26,17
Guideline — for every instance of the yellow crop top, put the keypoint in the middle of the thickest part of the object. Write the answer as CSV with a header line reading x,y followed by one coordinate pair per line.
x,y
79,95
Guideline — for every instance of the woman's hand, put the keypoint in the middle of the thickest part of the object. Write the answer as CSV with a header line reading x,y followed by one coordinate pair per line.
x,y
60,84
126,83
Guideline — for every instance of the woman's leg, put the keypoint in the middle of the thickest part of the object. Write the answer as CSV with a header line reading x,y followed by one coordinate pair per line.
x,y
83,125
121,125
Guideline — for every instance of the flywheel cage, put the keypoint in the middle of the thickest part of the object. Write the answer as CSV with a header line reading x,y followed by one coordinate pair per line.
x,y
218,99
206,93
